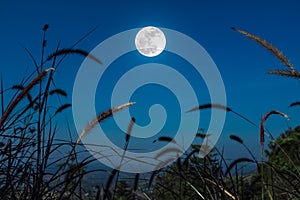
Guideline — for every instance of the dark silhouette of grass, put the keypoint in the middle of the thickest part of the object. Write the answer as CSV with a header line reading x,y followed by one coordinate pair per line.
x,y
73,51
29,148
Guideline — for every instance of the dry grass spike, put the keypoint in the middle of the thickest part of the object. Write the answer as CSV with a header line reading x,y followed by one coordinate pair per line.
x,y
24,92
101,117
269,47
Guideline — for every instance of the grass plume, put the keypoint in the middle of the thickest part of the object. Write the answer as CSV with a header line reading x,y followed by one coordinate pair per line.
x,y
165,139
58,91
264,119
285,73
295,104
24,92
236,138
221,107
73,51
269,47
101,117
61,108
209,105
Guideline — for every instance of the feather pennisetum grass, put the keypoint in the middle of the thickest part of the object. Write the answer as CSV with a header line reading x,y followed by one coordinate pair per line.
x,y
291,72
21,179
269,47
266,116
27,156
74,51
127,138
101,117
295,104
221,107
262,140
264,119
23,93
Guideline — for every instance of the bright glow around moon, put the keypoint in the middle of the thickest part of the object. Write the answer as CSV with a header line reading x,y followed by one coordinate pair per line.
x,y
150,41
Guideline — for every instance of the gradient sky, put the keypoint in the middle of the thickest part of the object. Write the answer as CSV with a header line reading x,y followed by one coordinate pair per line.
x,y
242,63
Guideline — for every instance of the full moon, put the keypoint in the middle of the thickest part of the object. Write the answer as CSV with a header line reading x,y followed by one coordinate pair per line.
x,y
150,41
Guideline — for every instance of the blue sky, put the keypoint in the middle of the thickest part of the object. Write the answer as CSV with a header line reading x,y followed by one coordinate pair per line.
x,y
242,63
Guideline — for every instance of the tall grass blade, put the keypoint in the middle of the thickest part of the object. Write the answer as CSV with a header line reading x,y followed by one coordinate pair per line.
x,y
109,182
262,140
127,137
151,179
221,187
75,44
195,189
136,182
222,107
2,96
32,58
186,160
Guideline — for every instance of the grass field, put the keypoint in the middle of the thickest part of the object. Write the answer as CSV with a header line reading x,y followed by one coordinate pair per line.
x,y
30,167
